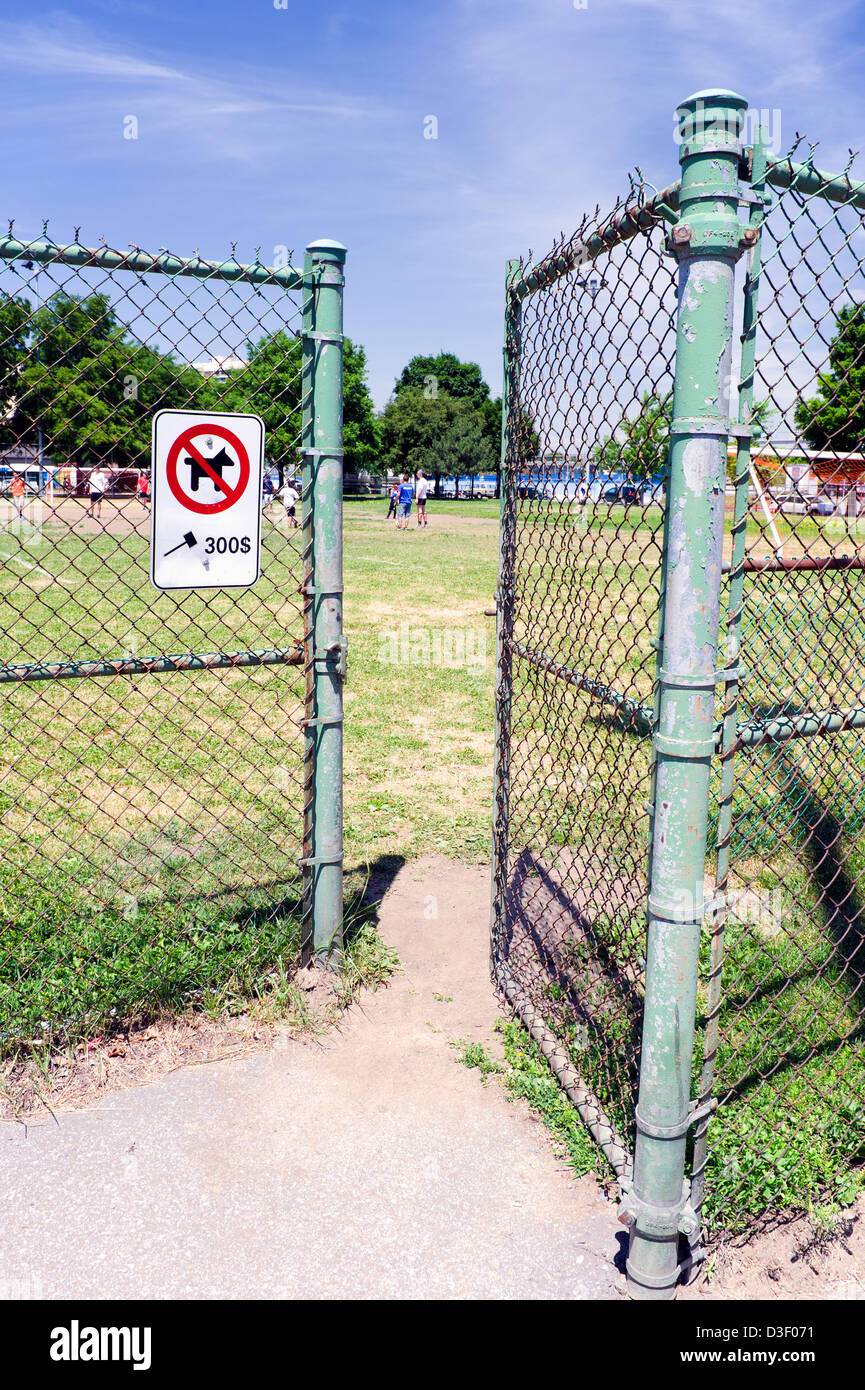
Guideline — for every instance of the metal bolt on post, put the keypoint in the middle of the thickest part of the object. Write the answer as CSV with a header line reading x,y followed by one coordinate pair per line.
x,y
325,642
707,242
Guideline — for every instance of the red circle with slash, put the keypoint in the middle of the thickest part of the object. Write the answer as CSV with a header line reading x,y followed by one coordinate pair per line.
x,y
184,442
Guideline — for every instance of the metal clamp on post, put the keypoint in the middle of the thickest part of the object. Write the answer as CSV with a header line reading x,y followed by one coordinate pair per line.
x,y
316,590
325,655
719,677
695,1113
685,747
687,682
701,424
658,1221
673,910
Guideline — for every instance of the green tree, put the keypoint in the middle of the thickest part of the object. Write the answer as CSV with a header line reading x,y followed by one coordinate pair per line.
x,y
359,432
639,445
411,429
465,448
270,386
14,313
835,417
443,436
92,388
491,410
75,369
462,381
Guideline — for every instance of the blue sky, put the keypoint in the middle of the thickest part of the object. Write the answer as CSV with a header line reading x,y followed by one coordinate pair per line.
x,y
275,126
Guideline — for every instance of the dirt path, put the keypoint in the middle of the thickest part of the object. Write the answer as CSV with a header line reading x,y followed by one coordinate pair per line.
x,y
367,1165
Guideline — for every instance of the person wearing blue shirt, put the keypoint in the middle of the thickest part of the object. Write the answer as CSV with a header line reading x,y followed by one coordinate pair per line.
x,y
403,512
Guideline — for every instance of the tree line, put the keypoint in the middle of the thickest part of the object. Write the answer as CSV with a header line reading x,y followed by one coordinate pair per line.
x,y
75,370
72,369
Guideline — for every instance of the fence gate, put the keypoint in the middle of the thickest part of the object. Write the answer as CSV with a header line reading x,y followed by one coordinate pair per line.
x,y
171,761
679,819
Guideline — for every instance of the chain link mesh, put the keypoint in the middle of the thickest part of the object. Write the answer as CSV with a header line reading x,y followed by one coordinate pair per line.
x,y
782,987
581,581
785,1054
152,821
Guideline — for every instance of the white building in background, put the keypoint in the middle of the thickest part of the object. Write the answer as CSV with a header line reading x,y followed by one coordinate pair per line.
x,y
218,368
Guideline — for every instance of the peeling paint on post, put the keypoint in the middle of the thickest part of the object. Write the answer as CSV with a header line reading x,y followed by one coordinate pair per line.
x,y
326,652
707,243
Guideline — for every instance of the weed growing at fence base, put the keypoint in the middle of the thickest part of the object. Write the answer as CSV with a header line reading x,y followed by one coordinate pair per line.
x,y
526,1076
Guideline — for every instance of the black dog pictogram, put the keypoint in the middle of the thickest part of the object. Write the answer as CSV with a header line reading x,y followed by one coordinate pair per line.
x,y
218,464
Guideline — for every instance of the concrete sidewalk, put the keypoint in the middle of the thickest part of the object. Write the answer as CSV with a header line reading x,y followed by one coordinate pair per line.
x,y
366,1165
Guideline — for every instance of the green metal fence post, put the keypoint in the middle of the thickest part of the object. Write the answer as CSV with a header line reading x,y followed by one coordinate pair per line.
x,y
505,606
326,645
707,240
738,533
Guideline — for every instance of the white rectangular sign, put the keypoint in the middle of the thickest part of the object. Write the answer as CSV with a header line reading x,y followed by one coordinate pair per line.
x,y
206,500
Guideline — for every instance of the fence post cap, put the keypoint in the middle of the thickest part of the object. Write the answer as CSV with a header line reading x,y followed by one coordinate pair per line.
x,y
715,94
336,248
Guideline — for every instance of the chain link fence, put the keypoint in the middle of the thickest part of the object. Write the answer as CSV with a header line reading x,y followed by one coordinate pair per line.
x,y
767,1112
583,522
784,1052
156,769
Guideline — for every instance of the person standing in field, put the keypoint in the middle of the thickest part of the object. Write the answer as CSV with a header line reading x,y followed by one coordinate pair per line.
x,y
392,505
98,485
143,489
18,493
421,491
405,496
290,498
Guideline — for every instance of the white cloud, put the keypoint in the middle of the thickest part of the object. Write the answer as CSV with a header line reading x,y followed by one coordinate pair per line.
x,y
542,111
57,50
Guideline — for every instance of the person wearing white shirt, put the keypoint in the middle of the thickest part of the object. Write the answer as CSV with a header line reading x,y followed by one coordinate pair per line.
x,y
98,484
421,491
290,497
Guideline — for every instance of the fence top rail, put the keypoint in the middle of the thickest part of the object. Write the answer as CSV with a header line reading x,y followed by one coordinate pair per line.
x,y
805,178
138,261
781,173
630,220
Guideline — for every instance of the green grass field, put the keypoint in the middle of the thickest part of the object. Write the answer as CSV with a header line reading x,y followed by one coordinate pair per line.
x,y
150,824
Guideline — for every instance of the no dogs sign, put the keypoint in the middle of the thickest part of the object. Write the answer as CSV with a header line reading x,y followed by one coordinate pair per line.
x,y
206,488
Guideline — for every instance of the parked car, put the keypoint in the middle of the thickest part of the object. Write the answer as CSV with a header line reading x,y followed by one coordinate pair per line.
x,y
821,506
626,493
